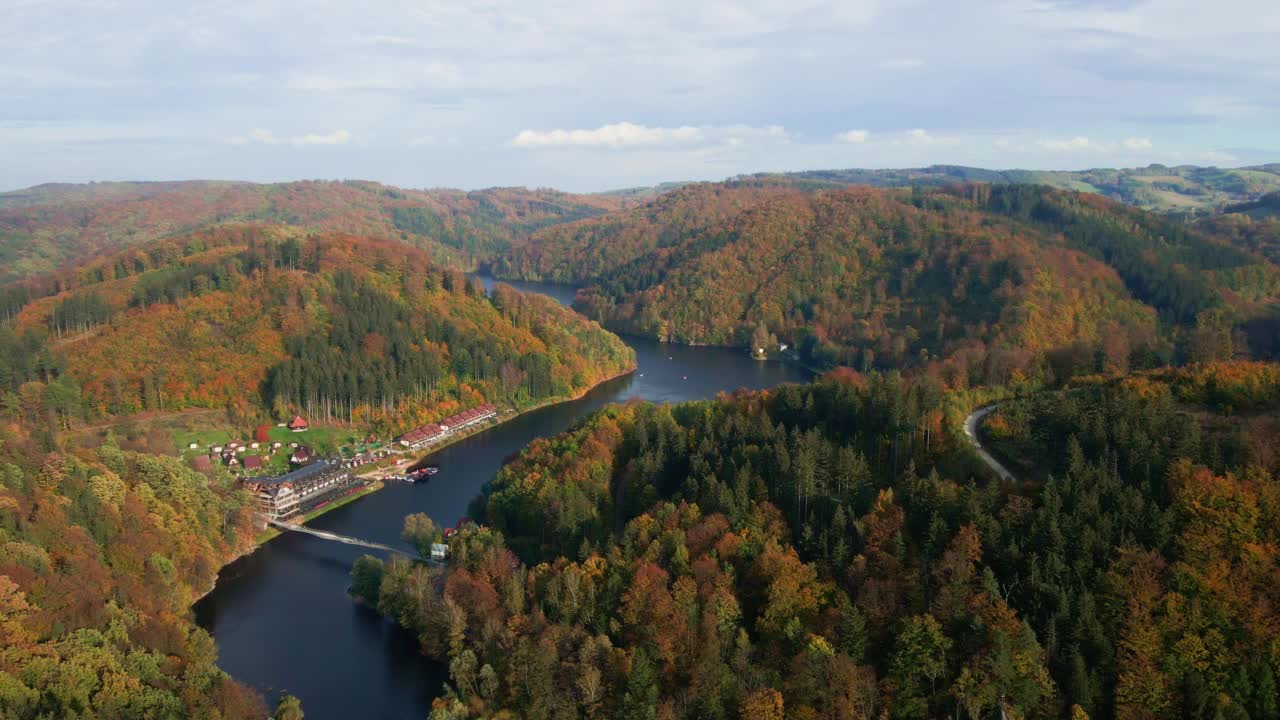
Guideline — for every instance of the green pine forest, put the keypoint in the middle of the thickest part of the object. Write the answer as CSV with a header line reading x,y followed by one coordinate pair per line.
x,y
828,550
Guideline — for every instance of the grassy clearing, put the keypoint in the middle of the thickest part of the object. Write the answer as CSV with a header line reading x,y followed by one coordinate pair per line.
x,y
214,432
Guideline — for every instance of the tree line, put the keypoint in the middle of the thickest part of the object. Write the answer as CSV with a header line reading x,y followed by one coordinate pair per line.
x,y
827,551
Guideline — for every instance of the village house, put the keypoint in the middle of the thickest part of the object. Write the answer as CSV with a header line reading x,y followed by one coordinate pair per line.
x,y
297,424
361,459
428,434
287,494
301,456
202,463
252,462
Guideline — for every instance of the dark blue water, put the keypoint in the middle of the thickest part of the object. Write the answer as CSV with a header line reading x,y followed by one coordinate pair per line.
x,y
282,618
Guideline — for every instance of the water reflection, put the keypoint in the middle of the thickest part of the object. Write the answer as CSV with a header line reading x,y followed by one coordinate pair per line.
x,y
282,618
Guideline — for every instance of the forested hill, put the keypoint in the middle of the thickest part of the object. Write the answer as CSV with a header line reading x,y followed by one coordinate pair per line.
x,y
44,227
101,557
270,320
824,551
1254,225
1161,188
986,278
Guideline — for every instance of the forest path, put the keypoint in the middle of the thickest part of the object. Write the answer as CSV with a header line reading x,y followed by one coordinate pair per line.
x,y
971,424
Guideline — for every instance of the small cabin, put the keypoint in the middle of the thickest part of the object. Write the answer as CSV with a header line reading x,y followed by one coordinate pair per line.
x,y
297,424
439,551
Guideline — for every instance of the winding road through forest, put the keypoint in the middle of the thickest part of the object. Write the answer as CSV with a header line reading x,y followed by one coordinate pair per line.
x,y
971,424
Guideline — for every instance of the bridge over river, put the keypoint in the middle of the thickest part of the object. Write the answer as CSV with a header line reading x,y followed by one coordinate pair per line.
x,y
339,538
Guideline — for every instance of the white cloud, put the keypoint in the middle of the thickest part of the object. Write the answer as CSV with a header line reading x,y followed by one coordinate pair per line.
x,y
627,134
853,136
1217,157
380,39
920,136
257,136
1081,143
380,75
337,137
616,135
260,136
1075,144
98,73
901,64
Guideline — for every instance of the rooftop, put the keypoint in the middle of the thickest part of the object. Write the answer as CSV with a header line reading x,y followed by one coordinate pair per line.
x,y
302,474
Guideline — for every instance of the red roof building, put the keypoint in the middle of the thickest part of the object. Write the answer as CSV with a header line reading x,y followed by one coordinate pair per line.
x,y
427,433
297,424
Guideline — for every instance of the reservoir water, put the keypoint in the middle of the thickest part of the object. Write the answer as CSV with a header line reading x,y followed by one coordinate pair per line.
x,y
281,616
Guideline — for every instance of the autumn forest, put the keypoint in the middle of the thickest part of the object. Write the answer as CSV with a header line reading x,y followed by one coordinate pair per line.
x,y
832,549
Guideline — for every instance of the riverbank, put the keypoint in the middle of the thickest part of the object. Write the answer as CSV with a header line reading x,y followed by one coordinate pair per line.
x,y
272,533
282,617
512,415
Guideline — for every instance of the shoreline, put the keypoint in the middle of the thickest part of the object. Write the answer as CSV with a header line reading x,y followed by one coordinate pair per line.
x,y
271,533
513,415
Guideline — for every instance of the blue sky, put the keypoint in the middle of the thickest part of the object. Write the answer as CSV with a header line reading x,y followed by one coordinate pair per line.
x,y
606,94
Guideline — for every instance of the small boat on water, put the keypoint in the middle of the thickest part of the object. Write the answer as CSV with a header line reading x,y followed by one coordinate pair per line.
x,y
431,469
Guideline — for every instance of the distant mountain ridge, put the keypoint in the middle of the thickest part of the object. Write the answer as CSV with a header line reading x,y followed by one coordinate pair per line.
x,y
992,275
276,319
44,227
57,192
1162,188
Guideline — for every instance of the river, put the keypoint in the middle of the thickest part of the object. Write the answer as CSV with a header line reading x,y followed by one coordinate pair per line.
x,y
281,616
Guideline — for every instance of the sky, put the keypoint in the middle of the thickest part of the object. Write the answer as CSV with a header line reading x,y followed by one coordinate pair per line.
x,y
606,94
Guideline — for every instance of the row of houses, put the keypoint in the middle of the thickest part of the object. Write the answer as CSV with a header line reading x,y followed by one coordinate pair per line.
x,y
428,434
284,495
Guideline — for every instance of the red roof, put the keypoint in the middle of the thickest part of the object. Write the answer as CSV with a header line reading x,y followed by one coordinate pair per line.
x,y
427,432
297,422
253,462
201,462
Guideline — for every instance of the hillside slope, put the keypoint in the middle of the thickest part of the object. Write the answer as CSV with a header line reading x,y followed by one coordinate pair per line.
x,y
1253,225
100,559
1161,188
44,227
266,319
820,551
894,278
